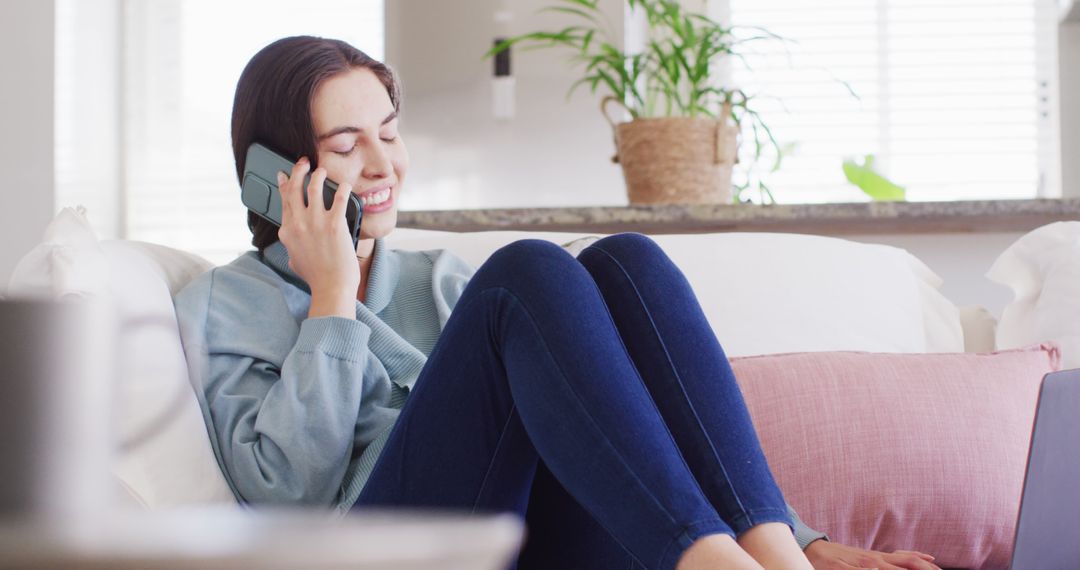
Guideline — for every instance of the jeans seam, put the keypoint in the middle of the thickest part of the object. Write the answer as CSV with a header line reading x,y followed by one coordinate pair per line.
x,y
675,373
607,438
689,529
754,517
618,454
494,455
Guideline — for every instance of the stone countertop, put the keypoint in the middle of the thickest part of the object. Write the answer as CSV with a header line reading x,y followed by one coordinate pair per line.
x,y
824,219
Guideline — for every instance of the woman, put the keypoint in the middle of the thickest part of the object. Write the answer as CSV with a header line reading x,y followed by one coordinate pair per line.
x,y
588,394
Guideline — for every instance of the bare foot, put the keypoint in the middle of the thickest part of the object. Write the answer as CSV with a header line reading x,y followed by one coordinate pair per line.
x,y
715,551
773,546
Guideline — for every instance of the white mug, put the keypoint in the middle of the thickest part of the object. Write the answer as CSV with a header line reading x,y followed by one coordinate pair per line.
x,y
55,363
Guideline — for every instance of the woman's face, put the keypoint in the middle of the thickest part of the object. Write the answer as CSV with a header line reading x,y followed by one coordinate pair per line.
x,y
358,143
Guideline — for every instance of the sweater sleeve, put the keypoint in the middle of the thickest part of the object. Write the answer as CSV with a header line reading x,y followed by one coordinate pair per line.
x,y
804,535
281,399
285,434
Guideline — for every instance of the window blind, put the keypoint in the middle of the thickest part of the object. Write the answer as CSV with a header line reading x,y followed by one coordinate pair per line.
x,y
181,62
954,98
87,111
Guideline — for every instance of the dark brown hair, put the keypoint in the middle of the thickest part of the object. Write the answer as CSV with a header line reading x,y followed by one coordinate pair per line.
x,y
273,103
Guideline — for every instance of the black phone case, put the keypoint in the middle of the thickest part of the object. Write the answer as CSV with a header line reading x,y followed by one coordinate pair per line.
x,y
259,190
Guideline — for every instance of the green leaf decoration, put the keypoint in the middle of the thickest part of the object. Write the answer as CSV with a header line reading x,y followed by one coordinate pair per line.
x,y
871,181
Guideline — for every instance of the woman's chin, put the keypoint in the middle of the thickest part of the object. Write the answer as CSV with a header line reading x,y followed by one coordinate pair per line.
x,y
378,225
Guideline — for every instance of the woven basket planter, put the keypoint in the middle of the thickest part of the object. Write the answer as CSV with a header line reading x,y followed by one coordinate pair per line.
x,y
676,160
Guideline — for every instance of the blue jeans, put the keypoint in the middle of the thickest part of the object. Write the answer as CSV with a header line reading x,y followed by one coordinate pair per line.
x,y
590,396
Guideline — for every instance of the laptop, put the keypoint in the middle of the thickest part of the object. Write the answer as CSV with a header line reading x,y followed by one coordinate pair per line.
x,y
1048,526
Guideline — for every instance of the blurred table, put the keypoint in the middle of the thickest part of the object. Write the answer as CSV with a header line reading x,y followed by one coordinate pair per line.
x,y
234,538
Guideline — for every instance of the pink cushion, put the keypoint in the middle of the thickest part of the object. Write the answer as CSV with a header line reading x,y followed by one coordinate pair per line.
x,y
901,451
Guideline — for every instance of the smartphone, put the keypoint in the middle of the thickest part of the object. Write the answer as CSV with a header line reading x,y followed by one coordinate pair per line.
x,y
259,189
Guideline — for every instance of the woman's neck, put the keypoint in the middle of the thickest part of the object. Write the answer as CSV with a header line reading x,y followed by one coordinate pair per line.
x,y
365,254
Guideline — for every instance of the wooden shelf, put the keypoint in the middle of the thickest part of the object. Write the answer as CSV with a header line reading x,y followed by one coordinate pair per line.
x,y
824,219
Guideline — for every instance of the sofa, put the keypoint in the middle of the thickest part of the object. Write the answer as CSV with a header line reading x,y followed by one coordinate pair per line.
x,y
892,418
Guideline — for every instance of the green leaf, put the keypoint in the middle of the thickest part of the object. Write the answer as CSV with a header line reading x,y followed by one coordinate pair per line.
x,y
590,4
573,11
501,47
611,83
587,41
872,182
766,193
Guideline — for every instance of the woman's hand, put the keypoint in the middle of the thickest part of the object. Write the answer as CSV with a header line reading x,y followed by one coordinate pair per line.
x,y
825,555
320,248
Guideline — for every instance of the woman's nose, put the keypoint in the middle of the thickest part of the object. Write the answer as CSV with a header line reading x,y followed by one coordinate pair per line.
x,y
377,164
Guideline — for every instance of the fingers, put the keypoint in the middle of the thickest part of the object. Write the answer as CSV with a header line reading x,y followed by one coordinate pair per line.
x,y
922,555
910,560
296,182
294,196
282,181
841,565
298,204
315,190
291,199
341,201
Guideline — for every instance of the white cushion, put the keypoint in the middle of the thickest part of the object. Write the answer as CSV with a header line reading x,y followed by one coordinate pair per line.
x,y
980,328
942,319
1043,270
175,267
164,456
769,293
66,262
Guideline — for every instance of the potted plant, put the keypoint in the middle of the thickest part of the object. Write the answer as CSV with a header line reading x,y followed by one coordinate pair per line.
x,y
682,140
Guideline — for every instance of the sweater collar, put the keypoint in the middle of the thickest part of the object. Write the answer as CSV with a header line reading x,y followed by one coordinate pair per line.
x,y
382,278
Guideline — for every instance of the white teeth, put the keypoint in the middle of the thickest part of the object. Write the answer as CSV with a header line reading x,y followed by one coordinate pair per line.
x,y
376,198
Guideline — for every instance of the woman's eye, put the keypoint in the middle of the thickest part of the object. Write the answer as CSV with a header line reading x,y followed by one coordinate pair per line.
x,y
389,139
345,152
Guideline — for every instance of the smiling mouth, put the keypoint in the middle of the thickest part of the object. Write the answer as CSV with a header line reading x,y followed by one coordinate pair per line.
x,y
375,198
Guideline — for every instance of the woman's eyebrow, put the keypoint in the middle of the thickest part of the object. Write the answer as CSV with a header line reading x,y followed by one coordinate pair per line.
x,y
352,129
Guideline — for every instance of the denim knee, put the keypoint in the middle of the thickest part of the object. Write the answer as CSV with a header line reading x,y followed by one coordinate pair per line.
x,y
628,244
530,263
528,248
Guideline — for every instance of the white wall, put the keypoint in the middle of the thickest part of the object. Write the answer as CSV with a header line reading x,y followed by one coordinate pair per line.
x,y
1069,81
556,152
26,117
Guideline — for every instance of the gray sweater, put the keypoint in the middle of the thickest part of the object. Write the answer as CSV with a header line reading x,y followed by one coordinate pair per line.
x,y
299,409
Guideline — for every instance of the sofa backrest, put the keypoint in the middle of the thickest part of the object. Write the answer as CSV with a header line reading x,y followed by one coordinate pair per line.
x,y
769,293
763,293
